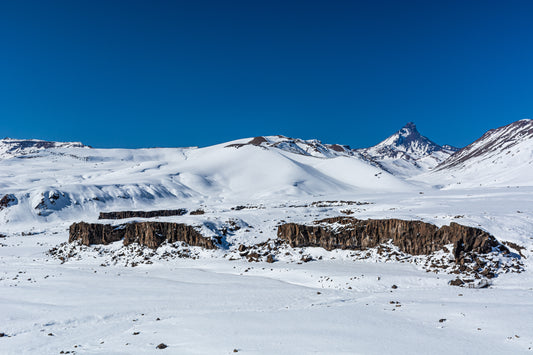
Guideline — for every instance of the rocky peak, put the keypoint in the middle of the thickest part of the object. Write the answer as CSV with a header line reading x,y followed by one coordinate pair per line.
x,y
407,152
406,140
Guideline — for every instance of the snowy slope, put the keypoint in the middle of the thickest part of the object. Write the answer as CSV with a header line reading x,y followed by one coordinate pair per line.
x,y
19,147
407,153
71,182
216,302
501,157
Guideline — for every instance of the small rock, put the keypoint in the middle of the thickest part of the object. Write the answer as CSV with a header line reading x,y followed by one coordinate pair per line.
x,y
457,282
394,287
50,334
136,333
442,320
161,346
235,350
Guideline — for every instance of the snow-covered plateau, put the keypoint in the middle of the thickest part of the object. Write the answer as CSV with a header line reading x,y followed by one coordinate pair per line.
x,y
254,292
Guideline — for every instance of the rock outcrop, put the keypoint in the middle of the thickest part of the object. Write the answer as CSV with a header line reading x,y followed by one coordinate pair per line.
x,y
150,234
7,201
141,214
412,237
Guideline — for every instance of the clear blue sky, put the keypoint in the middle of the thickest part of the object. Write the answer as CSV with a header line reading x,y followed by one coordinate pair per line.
x,y
180,73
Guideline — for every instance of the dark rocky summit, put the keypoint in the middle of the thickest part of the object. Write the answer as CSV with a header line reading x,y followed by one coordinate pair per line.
x,y
412,237
150,234
141,214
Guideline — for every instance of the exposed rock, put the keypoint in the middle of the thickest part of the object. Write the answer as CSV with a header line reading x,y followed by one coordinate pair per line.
x,y
412,237
197,212
516,247
94,233
142,214
257,141
162,346
253,257
7,201
150,234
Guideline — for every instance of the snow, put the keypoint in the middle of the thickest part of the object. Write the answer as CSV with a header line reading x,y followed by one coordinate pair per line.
x,y
502,157
407,153
211,303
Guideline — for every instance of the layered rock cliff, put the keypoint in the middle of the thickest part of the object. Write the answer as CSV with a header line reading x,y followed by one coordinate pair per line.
x,y
150,234
412,237
141,214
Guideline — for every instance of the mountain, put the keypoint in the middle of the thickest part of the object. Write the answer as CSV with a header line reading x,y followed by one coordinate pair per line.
x,y
502,156
408,153
18,147
312,147
71,181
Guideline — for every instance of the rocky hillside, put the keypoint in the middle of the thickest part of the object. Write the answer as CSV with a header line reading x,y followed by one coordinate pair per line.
x,y
501,157
19,147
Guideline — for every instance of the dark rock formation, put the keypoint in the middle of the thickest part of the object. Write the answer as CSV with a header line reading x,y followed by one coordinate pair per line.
x,y
257,141
141,214
7,201
150,234
94,233
197,212
412,237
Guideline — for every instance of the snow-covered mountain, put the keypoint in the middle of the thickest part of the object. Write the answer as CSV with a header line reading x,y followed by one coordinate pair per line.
x,y
502,156
407,153
311,147
72,181
17,147
65,297
67,180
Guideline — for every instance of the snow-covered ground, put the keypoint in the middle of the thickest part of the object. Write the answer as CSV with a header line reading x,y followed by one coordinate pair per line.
x,y
214,303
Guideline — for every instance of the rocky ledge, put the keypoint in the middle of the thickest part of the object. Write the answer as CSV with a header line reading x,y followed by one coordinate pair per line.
x,y
412,237
474,251
141,214
149,234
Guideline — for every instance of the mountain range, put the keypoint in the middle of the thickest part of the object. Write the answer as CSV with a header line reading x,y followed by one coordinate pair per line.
x,y
268,240
46,177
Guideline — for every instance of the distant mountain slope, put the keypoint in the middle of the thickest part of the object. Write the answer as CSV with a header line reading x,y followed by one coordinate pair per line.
x,y
502,156
16,147
312,147
71,182
407,152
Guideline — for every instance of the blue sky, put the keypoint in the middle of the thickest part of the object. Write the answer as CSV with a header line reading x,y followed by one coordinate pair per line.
x,y
180,73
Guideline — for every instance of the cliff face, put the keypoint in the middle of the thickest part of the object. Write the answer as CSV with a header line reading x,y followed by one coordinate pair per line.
x,y
412,237
141,214
150,234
